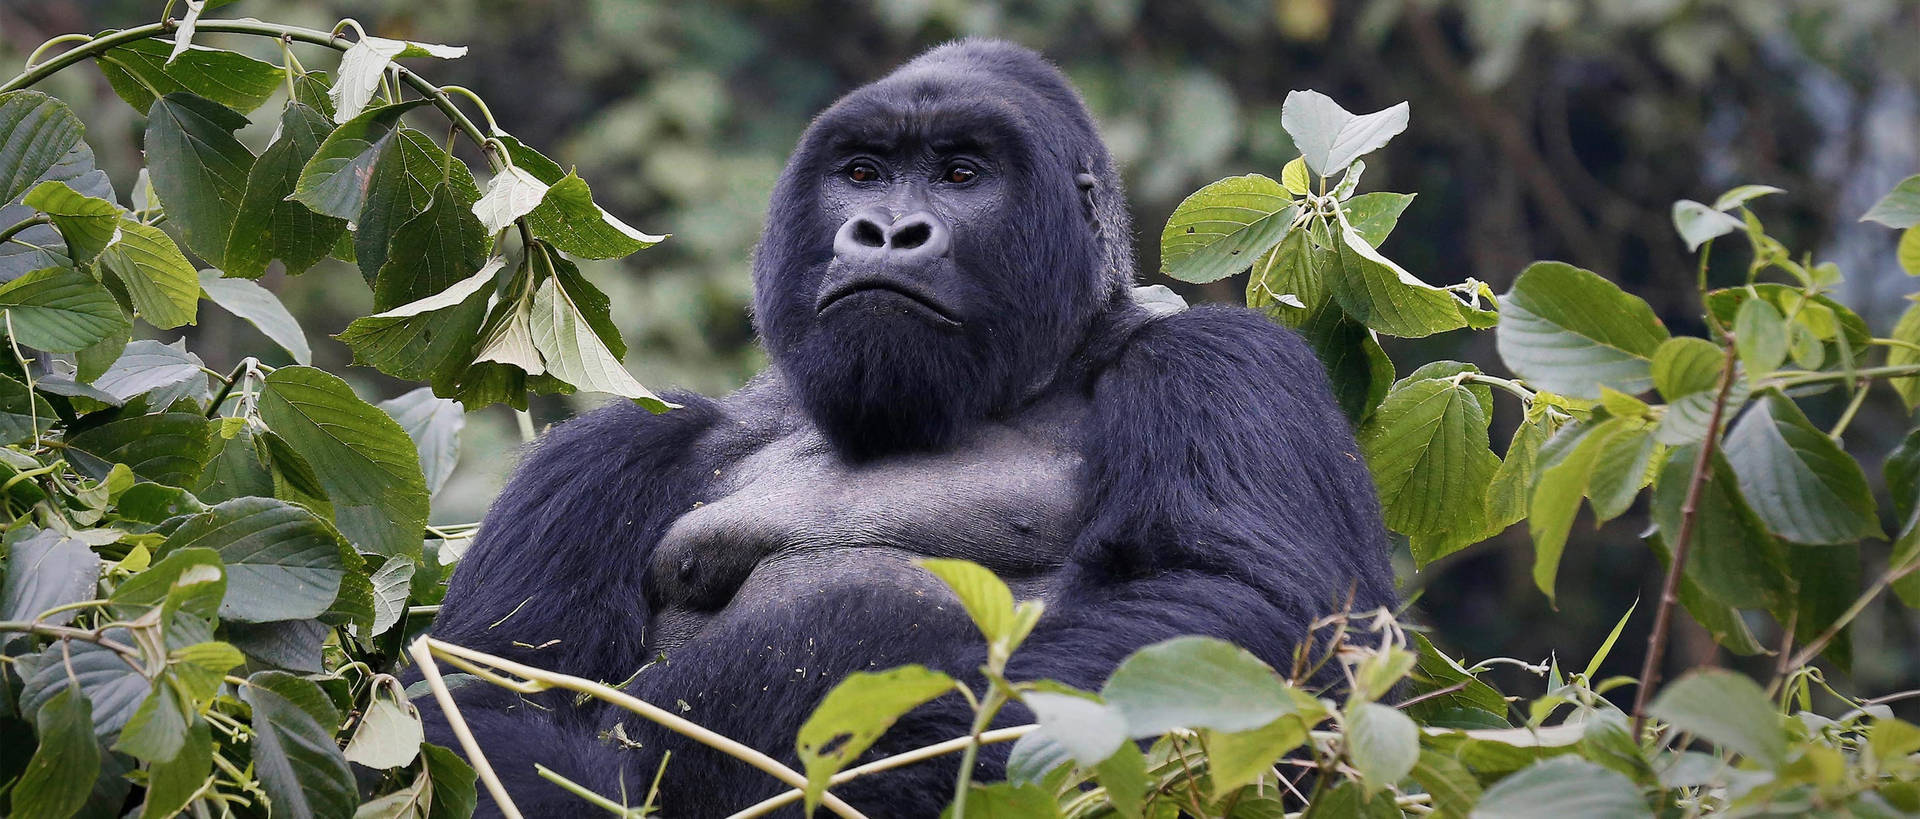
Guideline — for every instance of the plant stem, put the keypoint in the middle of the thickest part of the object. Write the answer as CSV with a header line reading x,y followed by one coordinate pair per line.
x,y
1813,647
68,633
430,672
461,655
1797,378
1670,588
581,791
36,219
921,754
1853,407
989,705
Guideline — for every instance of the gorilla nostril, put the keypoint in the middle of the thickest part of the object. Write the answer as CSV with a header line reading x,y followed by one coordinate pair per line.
x,y
868,234
912,235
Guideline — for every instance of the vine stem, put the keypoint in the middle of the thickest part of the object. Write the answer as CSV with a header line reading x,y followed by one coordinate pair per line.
x,y
921,754
540,679
1670,588
22,225
99,45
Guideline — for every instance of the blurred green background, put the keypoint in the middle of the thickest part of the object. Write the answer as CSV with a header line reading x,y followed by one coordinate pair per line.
x,y
1541,129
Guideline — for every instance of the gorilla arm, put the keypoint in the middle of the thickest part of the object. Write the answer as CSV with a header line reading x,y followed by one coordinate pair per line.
x,y
1226,495
554,581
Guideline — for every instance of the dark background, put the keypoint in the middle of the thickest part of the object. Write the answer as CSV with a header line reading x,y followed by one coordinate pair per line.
x,y
1541,129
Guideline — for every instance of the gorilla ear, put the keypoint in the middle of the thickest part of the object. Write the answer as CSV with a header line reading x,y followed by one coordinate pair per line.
x,y
1086,181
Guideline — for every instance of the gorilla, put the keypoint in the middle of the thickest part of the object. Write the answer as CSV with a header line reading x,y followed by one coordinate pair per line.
x,y
960,368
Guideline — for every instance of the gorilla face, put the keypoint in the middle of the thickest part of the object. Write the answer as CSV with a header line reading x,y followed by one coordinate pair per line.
x,y
928,259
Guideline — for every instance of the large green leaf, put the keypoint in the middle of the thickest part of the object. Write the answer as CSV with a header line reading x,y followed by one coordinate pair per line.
x,y
1563,786
139,69
1802,484
1900,208
302,770
1733,557
411,167
1222,228
114,688
198,168
571,348
1557,494
366,61
1088,729
433,251
60,775
163,285
268,224
1428,451
172,784
334,181
453,783
1569,331
364,459
260,308
169,447
86,223
1384,296
59,309
282,562
1760,335
986,599
434,424
855,713
1727,709
1373,215
46,569
432,338
165,373
23,413
568,218
1329,137
35,132
1382,743
1907,329
1195,682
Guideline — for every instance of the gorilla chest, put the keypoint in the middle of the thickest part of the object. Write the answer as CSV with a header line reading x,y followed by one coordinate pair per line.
x,y
796,510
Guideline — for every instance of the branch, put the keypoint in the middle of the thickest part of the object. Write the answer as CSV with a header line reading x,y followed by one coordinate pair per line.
x,y
538,678
36,219
1670,589
431,673
69,633
889,763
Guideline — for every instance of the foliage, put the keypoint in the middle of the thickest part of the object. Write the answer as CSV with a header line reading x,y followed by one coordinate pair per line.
x,y
209,575
209,583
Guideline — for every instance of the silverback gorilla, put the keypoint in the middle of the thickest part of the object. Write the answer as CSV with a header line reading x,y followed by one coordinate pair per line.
x,y
960,369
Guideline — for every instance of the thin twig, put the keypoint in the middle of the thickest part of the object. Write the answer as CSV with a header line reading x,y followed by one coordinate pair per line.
x,y
667,719
921,754
431,673
1818,644
1670,588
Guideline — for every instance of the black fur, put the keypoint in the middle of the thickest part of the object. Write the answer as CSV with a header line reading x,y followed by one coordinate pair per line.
x,y
1212,486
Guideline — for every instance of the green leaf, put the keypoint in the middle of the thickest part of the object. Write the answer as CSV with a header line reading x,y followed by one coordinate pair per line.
x,y
1454,788
269,224
389,735
1568,331
1385,297
1382,743
86,223
35,132
45,570
1222,228
571,349
198,168
1900,208
1907,329
1733,556
1002,800
301,769
335,180
157,731
1726,709
163,285
1373,215
1557,494
1760,335
984,596
1078,722
1697,223
454,795
411,167
114,688
282,562
1686,365
192,579
1294,177
260,308
510,195
568,218
1619,471
367,463
1511,488
1034,757
1724,622
433,251
173,783
392,583
168,447
1241,758
1563,786
366,60
61,310
1742,195
1124,775
1428,451
1195,682
434,424
855,713
1329,137
432,338
139,69
60,775
163,372
1802,484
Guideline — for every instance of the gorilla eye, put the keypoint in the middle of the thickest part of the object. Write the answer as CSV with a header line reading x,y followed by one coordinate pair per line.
x,y
863,172
960,174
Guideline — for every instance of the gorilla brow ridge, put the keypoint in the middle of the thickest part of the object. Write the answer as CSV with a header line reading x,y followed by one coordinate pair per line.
x,y
945,126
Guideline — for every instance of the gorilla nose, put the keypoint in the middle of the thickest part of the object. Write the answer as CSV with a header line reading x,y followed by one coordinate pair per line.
x,y
875,236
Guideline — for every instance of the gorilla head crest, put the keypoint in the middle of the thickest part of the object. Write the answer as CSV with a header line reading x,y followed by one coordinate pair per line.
x,y
939,244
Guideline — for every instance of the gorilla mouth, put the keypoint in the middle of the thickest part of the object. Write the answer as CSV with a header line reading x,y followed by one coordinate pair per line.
x,y
912,294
